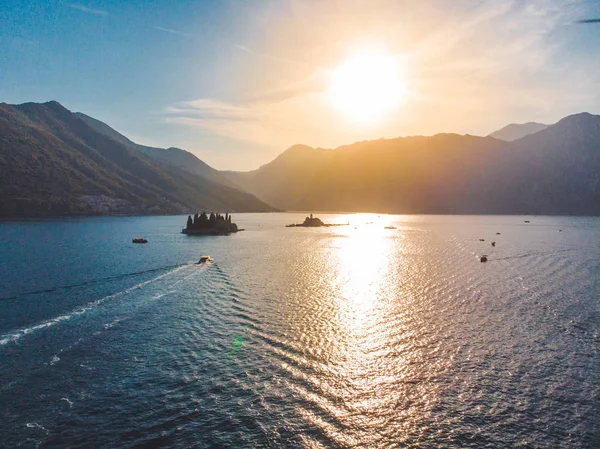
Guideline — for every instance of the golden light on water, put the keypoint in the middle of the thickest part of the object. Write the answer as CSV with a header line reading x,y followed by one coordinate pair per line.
x,y
367,285
358,331
364,263
367,87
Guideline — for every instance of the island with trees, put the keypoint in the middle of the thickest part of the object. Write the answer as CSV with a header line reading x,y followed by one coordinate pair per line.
x,y
213,224
314,222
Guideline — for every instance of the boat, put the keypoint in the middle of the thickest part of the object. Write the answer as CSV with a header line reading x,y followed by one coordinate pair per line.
x,y
139,240
203,260
390,227
483,258
493,243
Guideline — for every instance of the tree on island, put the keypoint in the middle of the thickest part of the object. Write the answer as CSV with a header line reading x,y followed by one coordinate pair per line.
x,y
212,221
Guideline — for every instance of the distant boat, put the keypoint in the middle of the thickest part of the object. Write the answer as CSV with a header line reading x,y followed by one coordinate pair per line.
x,y
497,233
390,227
527,221
493,243
139,240
483,258
482,240
203,260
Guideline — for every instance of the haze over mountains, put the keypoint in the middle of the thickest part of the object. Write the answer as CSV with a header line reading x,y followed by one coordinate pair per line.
x,y
516,131
171,156
553,171
55,162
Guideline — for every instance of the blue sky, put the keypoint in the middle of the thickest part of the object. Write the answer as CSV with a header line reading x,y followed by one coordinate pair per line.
x,y
238,82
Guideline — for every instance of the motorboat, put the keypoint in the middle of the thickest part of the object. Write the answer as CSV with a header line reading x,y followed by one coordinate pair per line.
x,y
203,260
139,240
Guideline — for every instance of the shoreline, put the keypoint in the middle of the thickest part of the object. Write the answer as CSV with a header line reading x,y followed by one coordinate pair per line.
x,y
26,218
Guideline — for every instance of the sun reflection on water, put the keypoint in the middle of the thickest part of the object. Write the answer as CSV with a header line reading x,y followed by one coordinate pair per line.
x,y
359,334
367,257
364,264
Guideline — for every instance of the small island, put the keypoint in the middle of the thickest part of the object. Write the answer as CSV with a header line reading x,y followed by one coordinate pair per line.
x,y
314,222
213,224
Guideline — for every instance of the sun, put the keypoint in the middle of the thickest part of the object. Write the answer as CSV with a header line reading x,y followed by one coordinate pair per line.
x,y
367,87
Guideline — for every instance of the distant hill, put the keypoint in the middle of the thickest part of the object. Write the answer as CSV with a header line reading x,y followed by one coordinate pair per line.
x,y
283,180
516,131
54,163
554,171
175,157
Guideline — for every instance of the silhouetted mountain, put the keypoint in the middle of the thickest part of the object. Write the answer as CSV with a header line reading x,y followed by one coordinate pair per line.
x,y
283,180
557,170
175,157
53,163
554,171
516,131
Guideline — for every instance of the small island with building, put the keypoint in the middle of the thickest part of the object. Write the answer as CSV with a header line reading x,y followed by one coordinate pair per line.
x,y
213,224
314,222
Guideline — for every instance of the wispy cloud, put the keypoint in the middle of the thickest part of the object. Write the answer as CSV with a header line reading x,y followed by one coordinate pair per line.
x,y
220,118
82,8
314,83
270,123
171,31
243,48
472,67
268,56
209,108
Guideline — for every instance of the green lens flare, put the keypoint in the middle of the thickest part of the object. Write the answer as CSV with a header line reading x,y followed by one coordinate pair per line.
x,y
236,345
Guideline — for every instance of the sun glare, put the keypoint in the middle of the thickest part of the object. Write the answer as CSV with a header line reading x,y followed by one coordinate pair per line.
x,y
367,87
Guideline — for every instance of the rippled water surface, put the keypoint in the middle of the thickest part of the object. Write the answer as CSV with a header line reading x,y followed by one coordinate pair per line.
x,y
353,336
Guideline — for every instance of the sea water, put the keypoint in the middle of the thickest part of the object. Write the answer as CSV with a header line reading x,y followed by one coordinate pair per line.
x,y
350,336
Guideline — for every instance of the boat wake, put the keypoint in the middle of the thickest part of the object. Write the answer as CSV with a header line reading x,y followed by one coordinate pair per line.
x,y
16,335
93,281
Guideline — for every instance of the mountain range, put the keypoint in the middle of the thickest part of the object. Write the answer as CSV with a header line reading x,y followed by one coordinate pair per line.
x,y
553,171
171,156
516,131
56,162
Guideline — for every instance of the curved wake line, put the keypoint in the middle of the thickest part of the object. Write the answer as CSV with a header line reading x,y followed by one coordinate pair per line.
x,y
16,335
93,281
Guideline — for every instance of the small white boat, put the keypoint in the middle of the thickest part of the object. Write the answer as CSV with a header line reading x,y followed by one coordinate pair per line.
x,y
203,260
